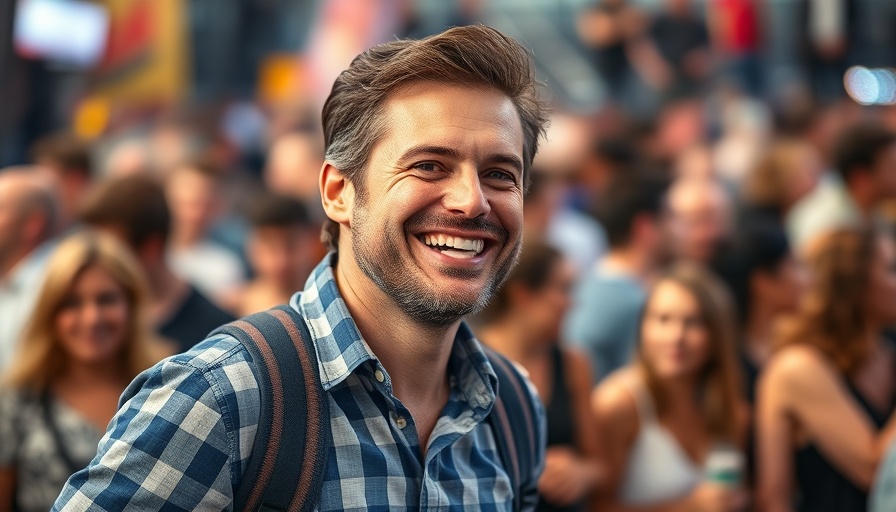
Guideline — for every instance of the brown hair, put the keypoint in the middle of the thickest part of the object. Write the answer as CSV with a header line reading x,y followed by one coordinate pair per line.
x,y
40,356
834,316
470,56
135,203
720,378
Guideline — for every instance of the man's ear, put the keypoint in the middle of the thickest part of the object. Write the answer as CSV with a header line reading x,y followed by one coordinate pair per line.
x,y
337,194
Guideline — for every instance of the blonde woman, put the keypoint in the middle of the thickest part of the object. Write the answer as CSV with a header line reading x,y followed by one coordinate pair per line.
x,y
827,398
86,340
671,423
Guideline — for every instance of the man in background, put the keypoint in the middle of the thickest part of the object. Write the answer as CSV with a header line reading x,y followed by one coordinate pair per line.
x,y
28,211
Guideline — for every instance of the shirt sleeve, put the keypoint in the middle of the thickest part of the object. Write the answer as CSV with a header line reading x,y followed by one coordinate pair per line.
x,y
177,441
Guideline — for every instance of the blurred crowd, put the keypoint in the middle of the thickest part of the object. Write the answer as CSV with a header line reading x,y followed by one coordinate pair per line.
x,y
705,299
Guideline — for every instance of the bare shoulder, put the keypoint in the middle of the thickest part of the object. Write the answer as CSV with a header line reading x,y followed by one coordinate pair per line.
x,y
612,400
799,371
799,360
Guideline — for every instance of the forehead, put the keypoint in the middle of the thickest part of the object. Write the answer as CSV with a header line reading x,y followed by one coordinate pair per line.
x,y
474,118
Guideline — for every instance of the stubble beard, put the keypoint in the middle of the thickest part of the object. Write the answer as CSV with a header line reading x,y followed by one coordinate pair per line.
x,y
382,263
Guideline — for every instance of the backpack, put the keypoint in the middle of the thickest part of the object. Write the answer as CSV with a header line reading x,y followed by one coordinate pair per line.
x,y
282,349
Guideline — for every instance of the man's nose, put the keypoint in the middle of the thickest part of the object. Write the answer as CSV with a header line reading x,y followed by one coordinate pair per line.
x,y
465,194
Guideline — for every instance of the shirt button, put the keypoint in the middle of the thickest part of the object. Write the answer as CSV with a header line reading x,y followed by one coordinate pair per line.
x,y
379,375
401,422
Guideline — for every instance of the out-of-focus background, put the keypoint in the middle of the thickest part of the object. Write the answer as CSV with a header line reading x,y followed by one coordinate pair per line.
x,y
107,68
751,142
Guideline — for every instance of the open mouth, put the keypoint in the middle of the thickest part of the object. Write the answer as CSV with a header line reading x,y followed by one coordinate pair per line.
x,y
454,246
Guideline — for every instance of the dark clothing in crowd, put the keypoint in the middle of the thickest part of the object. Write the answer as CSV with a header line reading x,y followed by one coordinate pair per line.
x,y
561,423
675,38
193,321
821,487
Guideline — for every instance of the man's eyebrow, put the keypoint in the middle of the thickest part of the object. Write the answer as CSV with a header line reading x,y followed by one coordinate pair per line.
x,y
499,158
430,150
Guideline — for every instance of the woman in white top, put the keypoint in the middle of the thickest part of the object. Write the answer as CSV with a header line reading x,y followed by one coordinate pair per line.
x,y
671,423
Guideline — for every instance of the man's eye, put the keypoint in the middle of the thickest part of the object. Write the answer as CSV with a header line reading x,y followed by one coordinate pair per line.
x,y
498,174
427,166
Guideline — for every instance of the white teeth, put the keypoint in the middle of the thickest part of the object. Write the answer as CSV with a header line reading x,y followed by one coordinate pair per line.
x,y
454,242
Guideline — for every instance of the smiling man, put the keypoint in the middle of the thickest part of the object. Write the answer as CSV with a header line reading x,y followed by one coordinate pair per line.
x,y
428,146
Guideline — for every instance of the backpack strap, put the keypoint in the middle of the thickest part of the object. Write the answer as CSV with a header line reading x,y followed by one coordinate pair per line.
x,y
286,469
513,406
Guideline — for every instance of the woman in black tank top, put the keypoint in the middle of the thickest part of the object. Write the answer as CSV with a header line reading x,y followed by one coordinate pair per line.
x,y
523,323
826,400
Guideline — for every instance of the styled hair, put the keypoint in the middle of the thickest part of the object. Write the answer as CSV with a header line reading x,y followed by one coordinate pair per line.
x,y
537,260
858,148
834,317
40,356
136,204
719,380
474,56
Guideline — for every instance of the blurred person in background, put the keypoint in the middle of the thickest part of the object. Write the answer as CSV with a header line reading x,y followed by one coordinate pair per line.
x,y
611,294
523,323
736,30
283,247
28,212
664,420
293,165
883,495
826,399
699,218
680,38
767,283
134,209
612,29
194,194
787,172
87,338
864,160
69,161
828,33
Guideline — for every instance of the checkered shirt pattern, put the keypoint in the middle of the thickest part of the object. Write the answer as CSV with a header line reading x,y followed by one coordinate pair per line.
x,y
184,433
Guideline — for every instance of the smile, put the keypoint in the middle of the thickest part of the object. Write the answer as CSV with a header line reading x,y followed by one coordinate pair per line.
x,y
454,246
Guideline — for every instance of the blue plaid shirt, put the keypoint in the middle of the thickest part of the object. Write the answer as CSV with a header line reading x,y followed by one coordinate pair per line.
x,y
186,427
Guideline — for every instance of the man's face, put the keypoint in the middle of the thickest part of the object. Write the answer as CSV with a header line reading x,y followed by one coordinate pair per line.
x,y
437,223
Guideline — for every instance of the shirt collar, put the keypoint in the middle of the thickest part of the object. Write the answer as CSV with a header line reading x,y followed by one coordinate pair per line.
x,y
341,349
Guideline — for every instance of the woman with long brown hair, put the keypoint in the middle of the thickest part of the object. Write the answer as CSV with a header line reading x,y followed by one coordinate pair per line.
x,y
826,399
85,341
674,417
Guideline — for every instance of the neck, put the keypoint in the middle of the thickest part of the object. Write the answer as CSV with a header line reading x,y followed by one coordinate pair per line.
x,y
628,260
414,355
680,390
